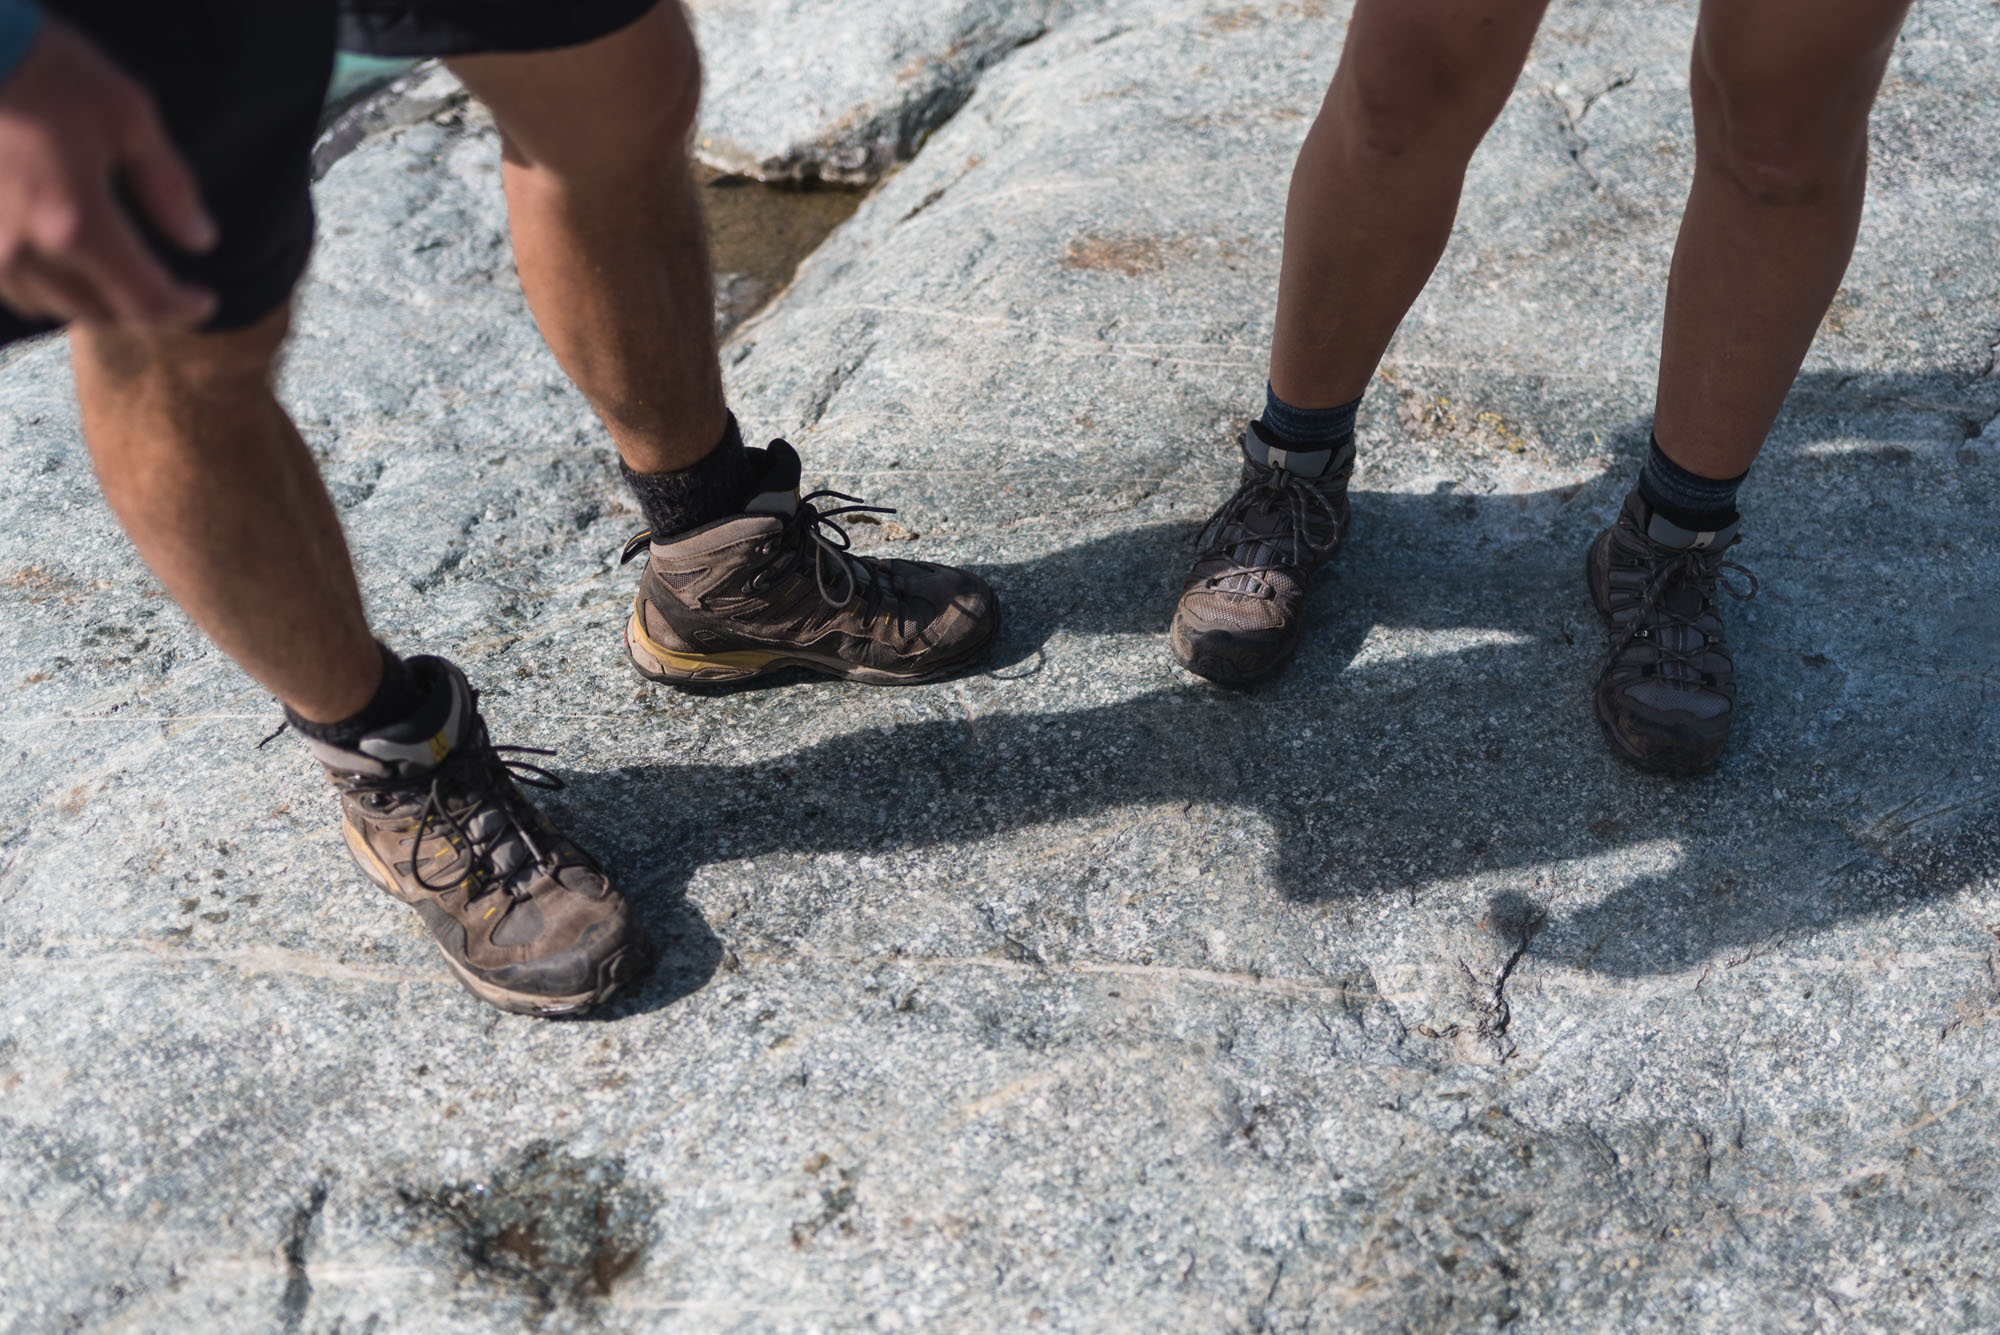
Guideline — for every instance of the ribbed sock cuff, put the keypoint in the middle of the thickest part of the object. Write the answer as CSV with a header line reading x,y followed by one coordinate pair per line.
x,y
1687,499
399,696
1282,424
721,484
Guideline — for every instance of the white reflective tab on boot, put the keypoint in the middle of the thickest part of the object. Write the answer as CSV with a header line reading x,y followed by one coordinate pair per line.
x,y
1299,463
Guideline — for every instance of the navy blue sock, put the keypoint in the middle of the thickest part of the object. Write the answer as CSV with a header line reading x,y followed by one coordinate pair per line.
x,y
1688,499
1315,428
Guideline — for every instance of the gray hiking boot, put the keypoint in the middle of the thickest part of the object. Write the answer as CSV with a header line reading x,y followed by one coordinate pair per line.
x,y
527,920
775,587
1667,693
1238,619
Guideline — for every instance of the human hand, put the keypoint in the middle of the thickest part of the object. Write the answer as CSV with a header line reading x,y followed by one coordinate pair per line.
x,y
72,126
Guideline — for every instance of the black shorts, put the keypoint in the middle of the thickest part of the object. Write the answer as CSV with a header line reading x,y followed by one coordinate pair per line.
x,y
240,84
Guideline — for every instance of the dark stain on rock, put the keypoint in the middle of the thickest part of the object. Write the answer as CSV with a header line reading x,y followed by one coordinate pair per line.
x,y
297,1236
836,1200
562,1229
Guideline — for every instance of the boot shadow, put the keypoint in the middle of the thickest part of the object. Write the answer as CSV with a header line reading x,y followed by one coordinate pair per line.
x,y
1465,745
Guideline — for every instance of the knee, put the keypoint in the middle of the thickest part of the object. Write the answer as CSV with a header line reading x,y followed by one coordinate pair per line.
x,y
1782,142
630,107
152,363
1778,161
1417,102
662,111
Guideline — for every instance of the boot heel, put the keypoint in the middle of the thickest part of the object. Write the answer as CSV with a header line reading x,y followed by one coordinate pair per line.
x,y
656,662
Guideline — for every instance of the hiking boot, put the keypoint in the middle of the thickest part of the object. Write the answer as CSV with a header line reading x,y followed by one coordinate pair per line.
x,y
527,920
1667,693
775,587
1238,619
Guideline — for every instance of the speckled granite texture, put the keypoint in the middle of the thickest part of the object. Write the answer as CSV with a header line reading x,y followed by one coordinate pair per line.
x,y
1074,995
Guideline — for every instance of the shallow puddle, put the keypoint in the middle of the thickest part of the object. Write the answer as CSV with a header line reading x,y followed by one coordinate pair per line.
x,y
355,77
760,233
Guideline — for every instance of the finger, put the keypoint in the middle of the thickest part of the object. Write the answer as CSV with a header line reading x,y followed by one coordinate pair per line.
x,y
128,278
36,287
18,300
159,177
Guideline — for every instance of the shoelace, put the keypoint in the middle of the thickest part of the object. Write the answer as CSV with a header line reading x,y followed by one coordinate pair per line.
x,y
817,524
1299,497
1704,571
462,768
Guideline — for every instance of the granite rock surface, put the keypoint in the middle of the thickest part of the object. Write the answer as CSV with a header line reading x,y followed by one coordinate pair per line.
x,y
1072,995
805,91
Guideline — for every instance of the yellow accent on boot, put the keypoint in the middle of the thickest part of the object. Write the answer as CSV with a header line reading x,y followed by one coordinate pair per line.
x,y
371,862
733,660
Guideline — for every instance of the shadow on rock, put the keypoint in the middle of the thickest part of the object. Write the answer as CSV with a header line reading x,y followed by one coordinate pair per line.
x,y
686,953
1463,745
1413,561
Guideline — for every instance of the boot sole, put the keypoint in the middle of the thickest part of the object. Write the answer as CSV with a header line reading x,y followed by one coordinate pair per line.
x,y
1684,764
613,971
1677,765
655,662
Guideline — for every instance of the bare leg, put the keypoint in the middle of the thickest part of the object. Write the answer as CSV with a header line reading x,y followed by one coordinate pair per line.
x,y
608,236
221,497
1377,183
1781,91
1371,207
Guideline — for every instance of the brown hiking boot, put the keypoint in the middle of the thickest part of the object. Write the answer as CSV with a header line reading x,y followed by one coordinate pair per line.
x,y
775,587
1238,619
527,920
1667,693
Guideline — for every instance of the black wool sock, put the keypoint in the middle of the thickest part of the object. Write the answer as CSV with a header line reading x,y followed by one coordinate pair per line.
x,y
1703,504
719,485
1307,428
399,696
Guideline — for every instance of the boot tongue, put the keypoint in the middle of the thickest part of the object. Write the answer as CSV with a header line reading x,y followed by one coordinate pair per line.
x,y
1678,632
1667,533
1257,540
1682,600
1302,461
426,737
777,469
